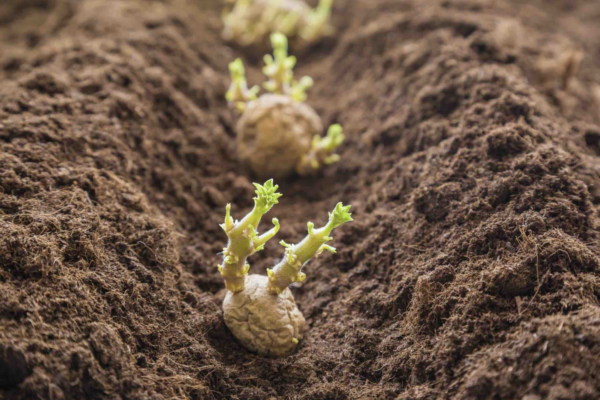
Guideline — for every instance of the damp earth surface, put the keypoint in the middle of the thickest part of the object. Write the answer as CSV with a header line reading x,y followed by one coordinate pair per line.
x,y
471,160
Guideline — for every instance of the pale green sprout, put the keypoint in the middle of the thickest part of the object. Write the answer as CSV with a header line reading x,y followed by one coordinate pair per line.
x,y
279,69
267,20
299,88
250,21
238,92
329,143
317,22
275,19
243,236
286,24
322,150
296,256
236,23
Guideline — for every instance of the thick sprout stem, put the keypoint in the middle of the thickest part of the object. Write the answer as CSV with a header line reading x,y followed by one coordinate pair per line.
x,y
279,67
322,151
244,239
238,93
289,269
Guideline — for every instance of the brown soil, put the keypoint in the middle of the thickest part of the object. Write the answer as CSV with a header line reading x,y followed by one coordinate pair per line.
x,y
472,270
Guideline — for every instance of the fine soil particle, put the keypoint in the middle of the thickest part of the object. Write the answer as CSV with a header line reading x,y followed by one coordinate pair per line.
x,y
472,269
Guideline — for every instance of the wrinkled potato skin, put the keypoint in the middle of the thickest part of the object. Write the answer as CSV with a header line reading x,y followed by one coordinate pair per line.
x,y
263,322
274,133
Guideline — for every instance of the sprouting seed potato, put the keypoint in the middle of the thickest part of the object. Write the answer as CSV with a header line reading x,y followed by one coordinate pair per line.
x,y
260,310
250,22
279,134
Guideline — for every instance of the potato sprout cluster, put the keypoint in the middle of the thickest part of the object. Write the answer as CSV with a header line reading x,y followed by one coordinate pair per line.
x,y
277,133
260,310
250,22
